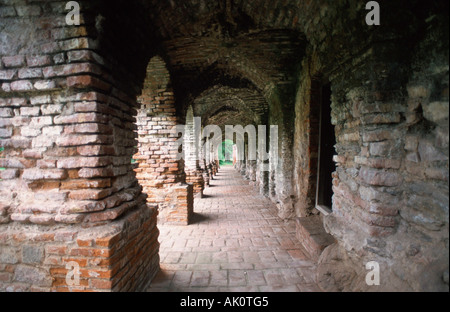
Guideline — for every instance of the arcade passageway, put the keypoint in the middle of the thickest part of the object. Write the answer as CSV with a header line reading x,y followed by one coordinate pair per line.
x,y
112,112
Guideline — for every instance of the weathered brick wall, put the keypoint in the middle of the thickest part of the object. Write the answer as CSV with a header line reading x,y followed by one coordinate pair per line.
x,y
392,155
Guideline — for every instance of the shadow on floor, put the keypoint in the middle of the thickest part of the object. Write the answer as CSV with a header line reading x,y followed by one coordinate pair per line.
x,y
199,218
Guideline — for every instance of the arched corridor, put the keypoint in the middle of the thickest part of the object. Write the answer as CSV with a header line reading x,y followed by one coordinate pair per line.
x,y
112,112
236,243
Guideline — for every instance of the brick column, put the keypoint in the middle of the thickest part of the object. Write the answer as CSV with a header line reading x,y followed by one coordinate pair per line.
x,y
203,162
251,170
214,157
68,195
158,170
194,174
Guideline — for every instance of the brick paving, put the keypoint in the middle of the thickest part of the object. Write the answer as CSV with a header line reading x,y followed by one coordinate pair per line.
x,y
236,244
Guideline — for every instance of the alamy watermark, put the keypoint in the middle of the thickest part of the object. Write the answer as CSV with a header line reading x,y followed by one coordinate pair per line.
x,y
73,17
372,18
73,273
252,143
373,276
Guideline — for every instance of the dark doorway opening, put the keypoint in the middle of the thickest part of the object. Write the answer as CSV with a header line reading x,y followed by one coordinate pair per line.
x,y
326,165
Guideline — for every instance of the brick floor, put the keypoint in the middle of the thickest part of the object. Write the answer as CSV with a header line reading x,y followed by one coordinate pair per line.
x,y
237,244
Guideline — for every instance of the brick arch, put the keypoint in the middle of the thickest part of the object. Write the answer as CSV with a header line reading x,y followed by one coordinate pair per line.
x,y
222,98
220,78
224,18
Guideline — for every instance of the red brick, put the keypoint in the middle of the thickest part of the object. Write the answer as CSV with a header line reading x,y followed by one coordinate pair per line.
x,y
85,242
74,44
87,107
87,81
96,150
104,253
43,237
109,214
82,262
56,250
32,154
44,174
45,164
89,194
70,219
81,162
379,177
93,128
21,85
58,271
45,85
9,174
84,183
101,284
38,61
81,252
96,173
107,241
81,118
83,55
77,140
27,73
66,70
7,74
5,277
14,61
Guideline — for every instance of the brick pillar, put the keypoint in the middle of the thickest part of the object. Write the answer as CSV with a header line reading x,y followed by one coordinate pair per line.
x,y
262,177
159,171
68,195
203,162
208,156
212,165
251,170
243,166
194,174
